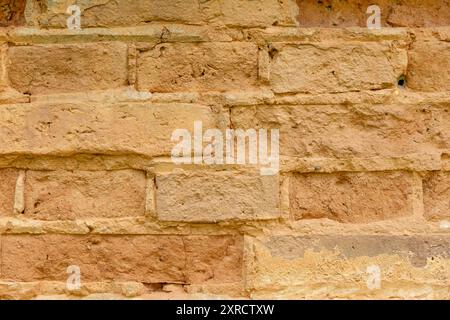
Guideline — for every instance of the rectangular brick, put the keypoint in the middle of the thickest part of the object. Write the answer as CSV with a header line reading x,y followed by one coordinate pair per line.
x,y
99,128
53,68
436,189
147,258
102,13
256,13
216,196
343,266
8,178
336,67
351,197
137,12
198,67
61,195
429,65
348,131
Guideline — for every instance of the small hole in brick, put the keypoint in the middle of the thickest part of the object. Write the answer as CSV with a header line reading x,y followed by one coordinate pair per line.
x,y
401,82
273,52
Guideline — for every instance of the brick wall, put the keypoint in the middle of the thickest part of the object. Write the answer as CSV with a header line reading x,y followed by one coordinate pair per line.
x,y
88,179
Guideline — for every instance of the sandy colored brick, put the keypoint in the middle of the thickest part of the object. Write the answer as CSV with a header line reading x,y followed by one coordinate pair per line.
x,y
54,68
254,13
216,196
346,131
336,67
246,13
405,13
429,65
436,190
147,258
61,195
8,178
98,128
351,197
104,13
337,266
198,67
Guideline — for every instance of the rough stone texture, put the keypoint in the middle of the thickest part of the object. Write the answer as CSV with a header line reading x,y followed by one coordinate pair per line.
x,y
351,197
61,195
87,178
300,267
66,68
404,13
336,67
8,179
198,67
344,131
436,188
99,13
215,196
12,12
70,128
148,259
425,76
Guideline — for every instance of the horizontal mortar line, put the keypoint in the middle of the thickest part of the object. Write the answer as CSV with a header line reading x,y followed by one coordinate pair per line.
x,y
201,33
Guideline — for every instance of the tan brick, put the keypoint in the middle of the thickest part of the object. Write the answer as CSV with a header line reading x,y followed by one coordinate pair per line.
x,y
429,63
336,67
198,67
342,266
436,189
255,13
216,196
122,128
148,259
405,13
60,195
12,12
351,197
52,68
100,13
8,178
347,131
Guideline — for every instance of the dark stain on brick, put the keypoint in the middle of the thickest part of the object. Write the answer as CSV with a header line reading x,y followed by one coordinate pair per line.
x,y
12,12
416,248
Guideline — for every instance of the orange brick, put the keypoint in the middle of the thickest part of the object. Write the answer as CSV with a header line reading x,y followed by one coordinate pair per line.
x,y
147,259
351,197
61,195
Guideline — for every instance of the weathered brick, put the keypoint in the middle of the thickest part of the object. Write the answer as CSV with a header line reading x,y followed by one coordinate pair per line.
x,y
121,128
60,195
216,196
100,13
148,259
429,63
345,131
12,12
336,67
8,178
351,197
53,68
255,13
342,266
198,67
405,13
436,189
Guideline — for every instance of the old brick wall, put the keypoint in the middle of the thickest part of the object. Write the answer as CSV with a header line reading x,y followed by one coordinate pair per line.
x,y
87,178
